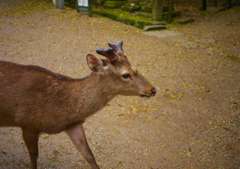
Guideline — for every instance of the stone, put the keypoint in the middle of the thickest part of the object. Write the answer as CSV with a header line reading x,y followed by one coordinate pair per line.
x,y
154,27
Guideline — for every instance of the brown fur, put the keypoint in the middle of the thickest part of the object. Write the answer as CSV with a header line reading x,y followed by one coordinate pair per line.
x,y
40,101
31,92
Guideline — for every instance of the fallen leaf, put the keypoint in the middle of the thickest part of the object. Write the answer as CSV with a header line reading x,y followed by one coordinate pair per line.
x,y
46,136
172,96
130,112
52,163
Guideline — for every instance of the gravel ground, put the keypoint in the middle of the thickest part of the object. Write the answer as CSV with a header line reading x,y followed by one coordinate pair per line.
x,y
192,122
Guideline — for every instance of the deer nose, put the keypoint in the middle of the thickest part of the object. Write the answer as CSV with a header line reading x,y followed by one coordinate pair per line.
x,y
154,91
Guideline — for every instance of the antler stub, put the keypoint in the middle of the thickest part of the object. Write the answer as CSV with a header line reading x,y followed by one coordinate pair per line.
x,y
112,52
109,53
117,47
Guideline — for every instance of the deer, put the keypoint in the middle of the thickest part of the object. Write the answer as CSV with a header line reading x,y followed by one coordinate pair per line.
x,y
40,101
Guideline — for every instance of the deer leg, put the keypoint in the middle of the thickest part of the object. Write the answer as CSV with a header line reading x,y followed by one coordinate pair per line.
x,y
31,141
77,135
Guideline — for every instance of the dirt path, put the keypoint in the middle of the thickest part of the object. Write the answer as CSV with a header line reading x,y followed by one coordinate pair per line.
x,y
193,122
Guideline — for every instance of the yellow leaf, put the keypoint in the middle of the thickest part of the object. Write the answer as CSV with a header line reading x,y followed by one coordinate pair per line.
x,y
189,154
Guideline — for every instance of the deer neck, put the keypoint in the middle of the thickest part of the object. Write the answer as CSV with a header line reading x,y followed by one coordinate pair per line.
x,y
94,94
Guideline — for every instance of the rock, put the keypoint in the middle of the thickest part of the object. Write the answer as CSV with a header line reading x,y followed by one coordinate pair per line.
x,y
154,27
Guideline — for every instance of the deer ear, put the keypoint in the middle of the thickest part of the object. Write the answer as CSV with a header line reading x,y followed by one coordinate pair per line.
x,y
94,63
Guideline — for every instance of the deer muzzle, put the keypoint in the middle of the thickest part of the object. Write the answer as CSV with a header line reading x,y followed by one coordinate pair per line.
x,y
153,93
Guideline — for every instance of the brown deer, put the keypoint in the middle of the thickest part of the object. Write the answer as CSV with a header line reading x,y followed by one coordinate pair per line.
x,y
40,101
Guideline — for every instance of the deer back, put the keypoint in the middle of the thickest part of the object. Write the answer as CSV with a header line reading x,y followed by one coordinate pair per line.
x,y
35,98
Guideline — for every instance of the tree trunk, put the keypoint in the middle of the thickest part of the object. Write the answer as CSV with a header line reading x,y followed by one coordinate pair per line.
x,y
203,5
157,10
60,4
169,14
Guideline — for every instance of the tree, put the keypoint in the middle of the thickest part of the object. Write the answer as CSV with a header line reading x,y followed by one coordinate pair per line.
x,y
169,11
157,10
203,5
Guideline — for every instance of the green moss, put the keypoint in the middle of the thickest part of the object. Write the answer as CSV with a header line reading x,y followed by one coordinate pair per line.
x,y
113,4
146,7
131,7
124,17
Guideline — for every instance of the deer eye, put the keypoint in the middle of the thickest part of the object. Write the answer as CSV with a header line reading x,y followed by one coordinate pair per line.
x,y
125,76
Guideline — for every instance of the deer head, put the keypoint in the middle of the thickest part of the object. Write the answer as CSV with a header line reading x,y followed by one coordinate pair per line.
x,y
122,77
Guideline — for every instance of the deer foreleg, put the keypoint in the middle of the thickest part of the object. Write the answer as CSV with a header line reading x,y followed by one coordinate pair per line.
x,y
77,135
31,141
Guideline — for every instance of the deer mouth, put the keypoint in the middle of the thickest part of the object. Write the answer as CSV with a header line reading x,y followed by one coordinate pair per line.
x,y
145,97
153,93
